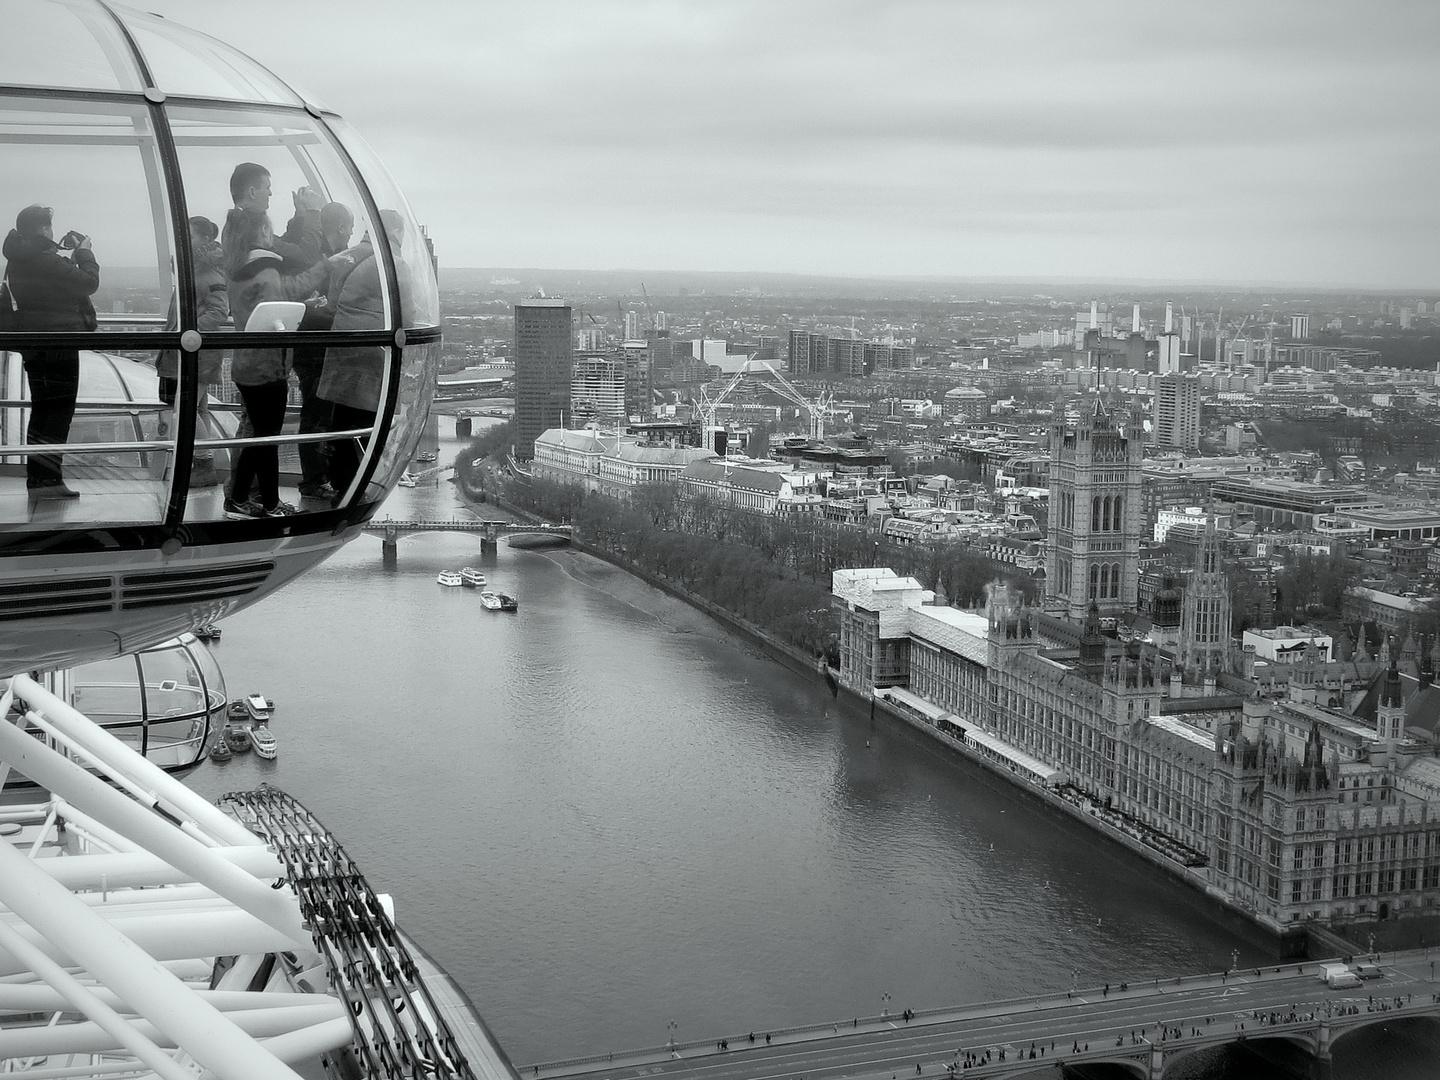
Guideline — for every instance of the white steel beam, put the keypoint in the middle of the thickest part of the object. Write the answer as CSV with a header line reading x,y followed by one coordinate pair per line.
x,y
173,936
86,1037
101,1016
93,796
207,1035
144,870
114,754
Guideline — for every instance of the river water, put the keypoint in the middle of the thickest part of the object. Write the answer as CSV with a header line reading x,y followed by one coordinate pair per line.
x,y
606,813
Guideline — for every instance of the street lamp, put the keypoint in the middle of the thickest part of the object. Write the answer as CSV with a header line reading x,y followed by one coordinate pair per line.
x,y
885,1004
672,1027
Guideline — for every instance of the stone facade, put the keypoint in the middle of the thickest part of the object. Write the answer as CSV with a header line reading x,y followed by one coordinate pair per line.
x,y
1286,808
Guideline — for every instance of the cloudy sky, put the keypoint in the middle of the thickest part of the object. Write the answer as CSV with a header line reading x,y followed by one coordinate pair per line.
x,y
1248,142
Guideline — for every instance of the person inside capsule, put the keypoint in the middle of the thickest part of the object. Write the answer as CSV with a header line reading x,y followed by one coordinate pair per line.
x,y
50,290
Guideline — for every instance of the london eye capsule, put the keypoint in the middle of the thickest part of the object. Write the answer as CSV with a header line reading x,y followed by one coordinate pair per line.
x,y
219,332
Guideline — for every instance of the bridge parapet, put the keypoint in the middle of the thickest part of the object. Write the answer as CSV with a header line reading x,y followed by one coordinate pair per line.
x,y
1143,1028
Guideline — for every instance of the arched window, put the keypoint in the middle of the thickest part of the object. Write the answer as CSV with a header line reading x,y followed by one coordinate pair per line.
x,y
1105,577
1118,501
1115,580
1095,514
1094,577
1105,514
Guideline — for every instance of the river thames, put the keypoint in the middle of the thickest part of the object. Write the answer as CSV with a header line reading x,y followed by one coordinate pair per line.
x,y
606,813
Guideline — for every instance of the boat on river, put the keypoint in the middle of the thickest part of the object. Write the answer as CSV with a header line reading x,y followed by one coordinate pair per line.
x,y
237,737
407,480
471,578
220,750
264,741
508,602
449,578
490,600
208,632
259,708
428,457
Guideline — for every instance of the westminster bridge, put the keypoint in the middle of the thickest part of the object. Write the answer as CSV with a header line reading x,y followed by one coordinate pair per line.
x,y
391,529
1287,1016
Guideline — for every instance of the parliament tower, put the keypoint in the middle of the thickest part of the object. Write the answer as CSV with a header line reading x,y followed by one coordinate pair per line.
x,y
1205,613
1093,554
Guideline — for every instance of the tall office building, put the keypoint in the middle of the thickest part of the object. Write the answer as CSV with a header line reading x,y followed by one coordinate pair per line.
x,y
632,325
1093,554
1176,413
544,352
597,390
1299,327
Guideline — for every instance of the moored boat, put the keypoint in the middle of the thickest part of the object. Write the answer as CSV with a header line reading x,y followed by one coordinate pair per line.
x,y
490,600
449,578
471,578
237,713
409,481
428,457
237,738
508,602
264,740
208,632
258,708
219,750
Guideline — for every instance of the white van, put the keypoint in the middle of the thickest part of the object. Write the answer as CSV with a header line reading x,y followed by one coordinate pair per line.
x,y
1338,976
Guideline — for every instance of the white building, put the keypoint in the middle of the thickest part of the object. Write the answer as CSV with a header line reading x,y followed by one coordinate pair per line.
x,y
608,463
1288,644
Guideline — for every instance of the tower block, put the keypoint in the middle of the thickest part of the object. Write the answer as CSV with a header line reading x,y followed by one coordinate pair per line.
x,y
1093,554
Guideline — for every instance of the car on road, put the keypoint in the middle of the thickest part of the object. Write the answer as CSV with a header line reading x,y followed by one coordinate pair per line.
x,y
1369,971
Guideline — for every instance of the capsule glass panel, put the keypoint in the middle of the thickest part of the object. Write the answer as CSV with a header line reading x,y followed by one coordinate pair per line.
x,y
185,62
273,407
414,264
94,166
419,370
74,46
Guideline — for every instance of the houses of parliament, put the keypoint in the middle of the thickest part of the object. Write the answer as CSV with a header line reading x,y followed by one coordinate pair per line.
x,y
1286,786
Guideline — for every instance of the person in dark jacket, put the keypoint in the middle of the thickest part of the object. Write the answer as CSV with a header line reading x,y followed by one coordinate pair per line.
x,y
354,376
336,225
51,292
253,274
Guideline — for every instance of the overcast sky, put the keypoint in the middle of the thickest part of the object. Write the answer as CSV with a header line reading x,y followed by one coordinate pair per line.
x,y
1277,142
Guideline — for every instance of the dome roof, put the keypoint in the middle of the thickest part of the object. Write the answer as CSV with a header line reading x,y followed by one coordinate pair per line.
x,y
140,342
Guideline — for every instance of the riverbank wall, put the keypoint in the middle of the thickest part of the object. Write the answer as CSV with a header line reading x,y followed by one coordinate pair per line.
x,y
1305,941
1283,942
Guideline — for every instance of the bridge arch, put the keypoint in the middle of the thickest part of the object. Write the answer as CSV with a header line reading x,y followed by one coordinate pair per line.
x,y
1104,1068
1302,1041
1364,1021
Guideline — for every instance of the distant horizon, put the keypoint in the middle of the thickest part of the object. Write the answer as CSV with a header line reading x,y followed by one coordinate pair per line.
x,y
1284,145
647,274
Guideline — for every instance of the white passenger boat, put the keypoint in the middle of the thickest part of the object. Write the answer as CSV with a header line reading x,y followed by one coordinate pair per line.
x,y
471,578
449,578
490,600
263,740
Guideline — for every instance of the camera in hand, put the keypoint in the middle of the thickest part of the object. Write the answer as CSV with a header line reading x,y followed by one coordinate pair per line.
x,y
72,239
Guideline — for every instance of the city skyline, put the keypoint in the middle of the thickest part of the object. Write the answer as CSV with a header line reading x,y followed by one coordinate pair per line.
x,y
1288,145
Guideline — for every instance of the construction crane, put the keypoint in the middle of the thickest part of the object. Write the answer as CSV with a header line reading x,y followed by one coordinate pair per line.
x,y
819,408
649,315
